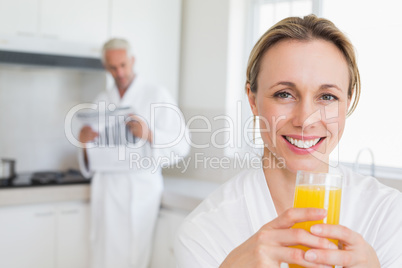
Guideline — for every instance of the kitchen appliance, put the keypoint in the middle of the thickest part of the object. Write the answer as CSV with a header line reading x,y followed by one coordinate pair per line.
x,y
44,178
36,50
70,176
7,169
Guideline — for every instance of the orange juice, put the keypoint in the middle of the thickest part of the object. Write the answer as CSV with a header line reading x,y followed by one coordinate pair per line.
x,y
317,196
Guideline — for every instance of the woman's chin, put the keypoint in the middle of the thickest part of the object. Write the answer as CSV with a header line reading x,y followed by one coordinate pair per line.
x,y
313,165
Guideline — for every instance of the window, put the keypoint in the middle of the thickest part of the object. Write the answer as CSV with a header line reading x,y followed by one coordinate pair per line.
x,y
373,132
268,12
244,31
374,29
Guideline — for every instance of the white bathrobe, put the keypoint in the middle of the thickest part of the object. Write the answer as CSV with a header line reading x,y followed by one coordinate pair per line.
x,y
237,210
126,181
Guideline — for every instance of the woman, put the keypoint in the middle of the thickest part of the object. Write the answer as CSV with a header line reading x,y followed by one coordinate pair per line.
x,y
302,83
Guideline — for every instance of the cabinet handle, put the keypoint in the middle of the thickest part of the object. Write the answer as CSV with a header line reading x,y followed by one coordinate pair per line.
x,y
95,49
43,214
25,34
70,211
50,36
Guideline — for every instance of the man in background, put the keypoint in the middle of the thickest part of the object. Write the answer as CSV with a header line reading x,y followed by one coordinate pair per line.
x,y
125,201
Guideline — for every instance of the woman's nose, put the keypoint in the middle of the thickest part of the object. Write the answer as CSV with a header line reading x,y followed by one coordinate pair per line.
x,y
306,114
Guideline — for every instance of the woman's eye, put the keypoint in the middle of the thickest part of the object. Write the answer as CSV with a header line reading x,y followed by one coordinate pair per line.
x,y
283,95
328,97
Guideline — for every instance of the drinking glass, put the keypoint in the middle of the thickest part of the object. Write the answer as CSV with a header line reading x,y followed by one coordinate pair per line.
x,y
318,190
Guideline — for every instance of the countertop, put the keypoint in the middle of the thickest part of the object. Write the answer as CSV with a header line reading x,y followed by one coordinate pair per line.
x,y
44,179
179,193
185,194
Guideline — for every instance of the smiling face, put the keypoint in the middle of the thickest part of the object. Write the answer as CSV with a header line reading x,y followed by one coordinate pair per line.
x,y
302,101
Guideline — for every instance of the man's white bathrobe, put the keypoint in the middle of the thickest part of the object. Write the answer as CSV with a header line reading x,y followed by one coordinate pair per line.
x,y
126,181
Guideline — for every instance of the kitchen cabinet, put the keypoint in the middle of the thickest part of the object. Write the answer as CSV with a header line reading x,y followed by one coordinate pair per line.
x,y
165,232
27,236
79,21
72,235
19,17
153,28
75,22
180,197
45,235
80,27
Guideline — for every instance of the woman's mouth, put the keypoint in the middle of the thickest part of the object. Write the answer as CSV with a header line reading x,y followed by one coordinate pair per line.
x,y
302,145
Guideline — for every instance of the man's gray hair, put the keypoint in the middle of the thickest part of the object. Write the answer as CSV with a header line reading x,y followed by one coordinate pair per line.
x,y
116,43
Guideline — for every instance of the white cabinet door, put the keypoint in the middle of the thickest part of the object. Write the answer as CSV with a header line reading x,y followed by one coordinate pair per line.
x,y
153,28
27,236
19,17
165,233
72,235
79,21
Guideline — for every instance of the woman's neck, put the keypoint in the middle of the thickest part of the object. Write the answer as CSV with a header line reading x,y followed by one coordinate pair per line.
x,y
281,183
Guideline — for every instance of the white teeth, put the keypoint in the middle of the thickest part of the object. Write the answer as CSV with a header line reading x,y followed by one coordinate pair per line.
x,y
302,144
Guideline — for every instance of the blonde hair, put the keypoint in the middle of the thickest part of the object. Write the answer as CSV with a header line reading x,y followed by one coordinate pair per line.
x,y
304,29
116,43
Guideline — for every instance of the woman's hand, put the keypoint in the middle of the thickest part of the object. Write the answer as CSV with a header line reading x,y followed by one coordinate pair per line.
x,y
270,245
356,252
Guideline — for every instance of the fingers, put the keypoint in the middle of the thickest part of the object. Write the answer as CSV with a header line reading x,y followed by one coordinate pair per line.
x,y
88,130
270,245
139,128
295,256
293,237
87,134
294,215
331,257
338,232
356,250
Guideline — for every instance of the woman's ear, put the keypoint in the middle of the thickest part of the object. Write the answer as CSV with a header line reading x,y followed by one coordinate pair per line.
x,y
252,100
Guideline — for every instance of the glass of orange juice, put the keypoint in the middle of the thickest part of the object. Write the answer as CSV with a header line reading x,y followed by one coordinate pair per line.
x,y
318,190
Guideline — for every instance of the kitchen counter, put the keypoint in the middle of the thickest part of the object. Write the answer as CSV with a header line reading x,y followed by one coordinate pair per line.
x,y
43,187
179,193
54,178
44,194
185,194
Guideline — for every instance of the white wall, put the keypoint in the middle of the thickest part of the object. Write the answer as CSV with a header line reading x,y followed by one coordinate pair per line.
x,y
33,105
153,29
204,54
204,81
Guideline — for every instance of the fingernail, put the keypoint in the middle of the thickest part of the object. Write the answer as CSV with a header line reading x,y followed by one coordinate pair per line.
x,y
332,246
316,229
310,256
322,212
